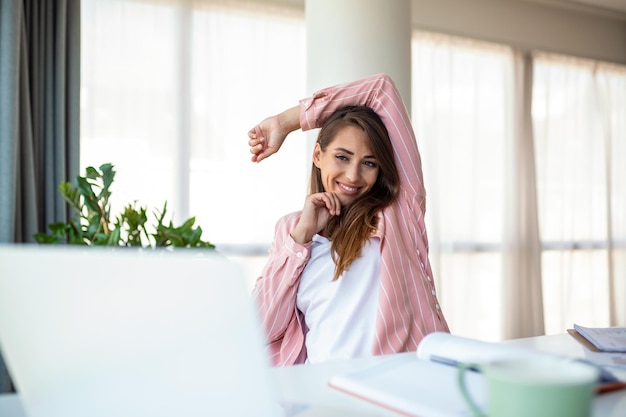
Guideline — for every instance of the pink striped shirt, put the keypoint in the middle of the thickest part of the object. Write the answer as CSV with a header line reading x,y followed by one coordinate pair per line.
x,y
407,305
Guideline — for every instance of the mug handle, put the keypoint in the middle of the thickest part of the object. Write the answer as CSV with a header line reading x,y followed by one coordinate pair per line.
x,y
464,367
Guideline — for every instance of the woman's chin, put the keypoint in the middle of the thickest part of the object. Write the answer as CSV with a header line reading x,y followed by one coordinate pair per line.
x,y
346,200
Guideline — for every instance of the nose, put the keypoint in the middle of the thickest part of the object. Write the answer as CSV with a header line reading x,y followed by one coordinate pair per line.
x,y
353,172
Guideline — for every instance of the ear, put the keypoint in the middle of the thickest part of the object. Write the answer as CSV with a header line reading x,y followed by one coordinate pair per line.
x,y
317,154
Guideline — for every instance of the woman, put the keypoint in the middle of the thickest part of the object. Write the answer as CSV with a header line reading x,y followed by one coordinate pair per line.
x,y
349,275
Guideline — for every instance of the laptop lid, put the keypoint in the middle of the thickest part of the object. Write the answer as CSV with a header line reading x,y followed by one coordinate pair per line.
x,y
131,332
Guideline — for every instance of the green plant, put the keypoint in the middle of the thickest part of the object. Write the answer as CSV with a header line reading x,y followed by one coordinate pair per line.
x,y
93,225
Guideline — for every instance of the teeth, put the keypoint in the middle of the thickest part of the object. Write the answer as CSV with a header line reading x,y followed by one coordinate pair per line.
x,y
351,189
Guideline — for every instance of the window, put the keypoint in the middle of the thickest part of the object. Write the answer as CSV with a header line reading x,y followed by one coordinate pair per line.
x,y
169,91
462,101
579,109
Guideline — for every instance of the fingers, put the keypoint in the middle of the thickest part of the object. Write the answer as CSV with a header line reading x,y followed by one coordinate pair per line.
x,y
259,153
258,157
318,209
257,143
328,200
256,148
335,207
255,136
256,133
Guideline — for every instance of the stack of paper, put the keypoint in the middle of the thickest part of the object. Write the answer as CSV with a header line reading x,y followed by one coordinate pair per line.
x,y
606,339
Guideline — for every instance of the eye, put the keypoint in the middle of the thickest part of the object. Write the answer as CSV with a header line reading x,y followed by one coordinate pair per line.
x,y
342,157
370,164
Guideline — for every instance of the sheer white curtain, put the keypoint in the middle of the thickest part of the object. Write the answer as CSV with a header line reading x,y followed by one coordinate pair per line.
x,y
169,91
522,312
579,112
526,189
461,117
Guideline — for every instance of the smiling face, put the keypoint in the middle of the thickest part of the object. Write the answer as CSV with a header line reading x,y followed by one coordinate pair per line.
x,y
347,166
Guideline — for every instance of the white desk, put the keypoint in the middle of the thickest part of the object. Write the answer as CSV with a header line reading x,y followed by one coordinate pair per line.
x,y
305,391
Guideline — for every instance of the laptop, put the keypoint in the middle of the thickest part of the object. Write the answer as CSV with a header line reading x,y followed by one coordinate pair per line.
x,y
121,332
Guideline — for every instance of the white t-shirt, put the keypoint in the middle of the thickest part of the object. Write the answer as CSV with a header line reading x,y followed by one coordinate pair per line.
x,y
341,314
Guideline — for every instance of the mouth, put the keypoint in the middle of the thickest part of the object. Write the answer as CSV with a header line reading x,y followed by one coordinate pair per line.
x,y
348,189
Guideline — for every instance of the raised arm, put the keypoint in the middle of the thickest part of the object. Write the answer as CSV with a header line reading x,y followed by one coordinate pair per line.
x,y
377,92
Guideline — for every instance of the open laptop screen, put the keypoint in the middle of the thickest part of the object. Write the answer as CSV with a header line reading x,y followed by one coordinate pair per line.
x,y
130,332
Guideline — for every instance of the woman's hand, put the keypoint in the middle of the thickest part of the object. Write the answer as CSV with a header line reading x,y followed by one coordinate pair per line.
x,y
318,209
267,137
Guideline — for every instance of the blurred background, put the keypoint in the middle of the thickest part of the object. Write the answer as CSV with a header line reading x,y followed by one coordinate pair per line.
x,y
170,88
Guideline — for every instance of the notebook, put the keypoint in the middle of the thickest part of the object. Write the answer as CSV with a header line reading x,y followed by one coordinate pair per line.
x,y
131,332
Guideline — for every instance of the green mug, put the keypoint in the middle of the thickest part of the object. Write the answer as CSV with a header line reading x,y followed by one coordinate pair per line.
x,y
546,387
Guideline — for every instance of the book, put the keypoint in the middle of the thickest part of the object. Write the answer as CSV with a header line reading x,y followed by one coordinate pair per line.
x,y
425,384
605,339
615,360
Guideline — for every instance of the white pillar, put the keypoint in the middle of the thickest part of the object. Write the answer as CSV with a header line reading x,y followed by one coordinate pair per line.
x,y
350,39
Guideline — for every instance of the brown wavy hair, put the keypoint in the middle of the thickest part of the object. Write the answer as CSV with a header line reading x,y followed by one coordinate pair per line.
x,y
349,231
